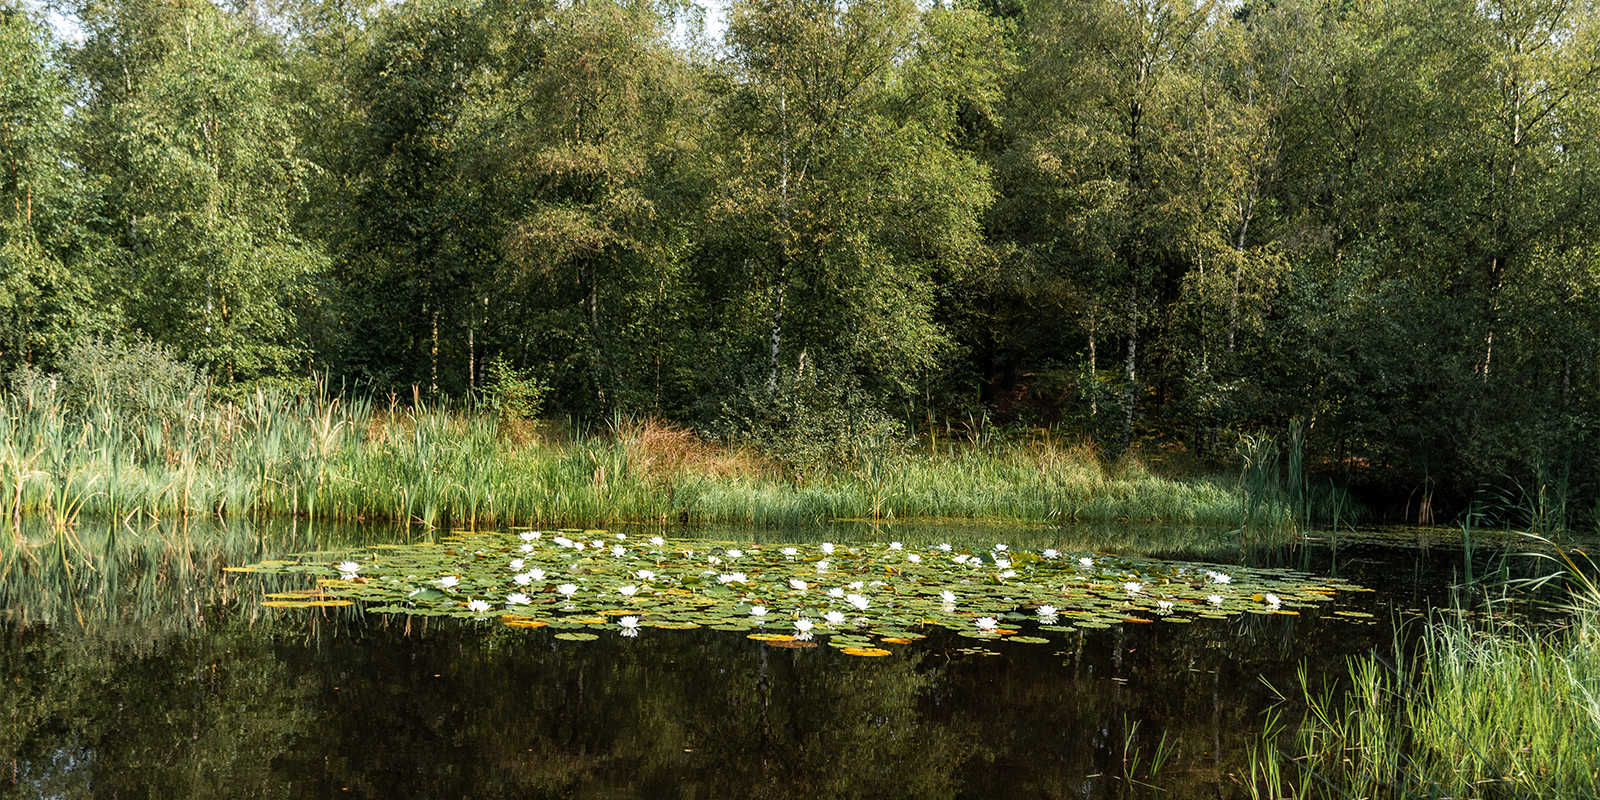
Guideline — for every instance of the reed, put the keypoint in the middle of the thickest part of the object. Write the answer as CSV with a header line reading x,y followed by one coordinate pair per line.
x,y
320,456
1488,710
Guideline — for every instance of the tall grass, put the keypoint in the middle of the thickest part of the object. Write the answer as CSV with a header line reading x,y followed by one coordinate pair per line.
x,y
322,456
1493,710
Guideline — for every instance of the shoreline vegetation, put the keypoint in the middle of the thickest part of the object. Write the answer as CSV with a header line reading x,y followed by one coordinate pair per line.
x,y
66,453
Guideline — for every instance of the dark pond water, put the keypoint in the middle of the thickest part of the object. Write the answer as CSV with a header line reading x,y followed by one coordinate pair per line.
x,y
132,666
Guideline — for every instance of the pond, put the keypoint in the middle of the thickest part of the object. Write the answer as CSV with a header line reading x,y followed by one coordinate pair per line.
x,y
138,660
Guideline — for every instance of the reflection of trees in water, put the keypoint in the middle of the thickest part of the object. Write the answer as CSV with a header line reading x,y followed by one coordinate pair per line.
x,y
153,679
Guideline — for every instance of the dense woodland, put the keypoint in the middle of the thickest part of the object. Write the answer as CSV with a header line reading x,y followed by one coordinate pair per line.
x,y
1144,222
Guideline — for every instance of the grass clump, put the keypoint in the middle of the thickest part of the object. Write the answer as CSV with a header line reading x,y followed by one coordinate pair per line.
x,y
107,439
1496,710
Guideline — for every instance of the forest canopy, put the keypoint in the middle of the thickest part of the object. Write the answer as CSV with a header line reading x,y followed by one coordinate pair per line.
x,y
1142,222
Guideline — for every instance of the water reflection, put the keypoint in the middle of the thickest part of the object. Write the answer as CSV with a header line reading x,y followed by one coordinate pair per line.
x,y
132,666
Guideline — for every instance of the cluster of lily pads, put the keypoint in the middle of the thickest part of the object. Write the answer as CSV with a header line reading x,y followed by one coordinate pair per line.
x,y
852,596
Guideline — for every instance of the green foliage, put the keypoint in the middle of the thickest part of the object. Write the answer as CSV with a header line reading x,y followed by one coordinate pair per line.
x,y
512,393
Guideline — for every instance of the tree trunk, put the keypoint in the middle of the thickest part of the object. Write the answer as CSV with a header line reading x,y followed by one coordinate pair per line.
x,y
433,359
1130,391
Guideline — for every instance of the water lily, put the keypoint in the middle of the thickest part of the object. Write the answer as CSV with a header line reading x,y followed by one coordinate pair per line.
x,y
896,546
618,550
948,597
478,606
562,541
731,577
822,566
1214,599
528,536
1007,574
448,582
1046,611
522,578
913,558
657,541
987,623
348,569
791,552
527,548
803,626
1050,552
758,611
622,537
1133,587
797,584
536,574
517,599
568,589
1272,600
516,564
1218,577
1000,548
858,585
627,591
1002,563
834,618
857,600
1086,561
1164,606
827,548
944,547
713,561
597,544
735,553
630,625
836,592
645,574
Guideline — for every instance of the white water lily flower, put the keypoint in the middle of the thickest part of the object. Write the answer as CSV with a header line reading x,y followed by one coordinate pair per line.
x,y
1164,606
562,541
960,558
517,599
913,558
834,617
948,597
527,548
618,550
627,591
1046,611
630,625
568,589
516,564
731,577
944,547
836,592
348,569
827,548
597,544
735,553
448,582
1273,600
713,560
790,552
536,574
1000,548
896,546
1133,587
1010,573
857,585
1002,563
857,600
987,623
578,545
876,584
479,606
804,627
1050,552
1086,561
622,536
1219,577
657,541
1214,599
522,578
645,574
528,536
758,611
822,566
797,584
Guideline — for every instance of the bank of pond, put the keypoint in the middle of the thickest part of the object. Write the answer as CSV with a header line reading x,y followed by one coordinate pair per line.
x,y
856,659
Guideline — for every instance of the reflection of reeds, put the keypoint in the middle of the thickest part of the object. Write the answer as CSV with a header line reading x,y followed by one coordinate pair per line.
x,y
323,457
1498,709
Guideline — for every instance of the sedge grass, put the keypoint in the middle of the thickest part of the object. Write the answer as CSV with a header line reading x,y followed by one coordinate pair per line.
x,y
326,457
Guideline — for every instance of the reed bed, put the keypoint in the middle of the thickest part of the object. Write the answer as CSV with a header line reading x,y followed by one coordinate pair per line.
x,y
325,457
1485,710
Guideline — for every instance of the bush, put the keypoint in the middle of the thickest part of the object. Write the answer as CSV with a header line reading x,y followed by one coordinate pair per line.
x,y
809,423
132,378
512,393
